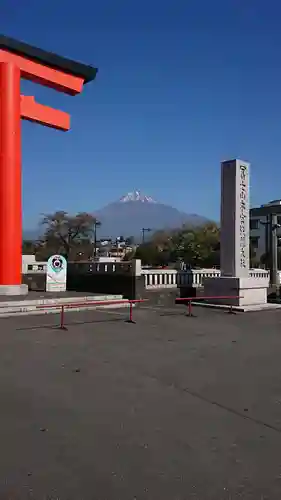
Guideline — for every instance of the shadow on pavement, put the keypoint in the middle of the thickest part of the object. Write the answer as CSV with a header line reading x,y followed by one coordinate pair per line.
x,y
71,323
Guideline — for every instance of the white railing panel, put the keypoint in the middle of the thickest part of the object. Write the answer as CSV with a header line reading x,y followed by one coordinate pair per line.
x,y
171,278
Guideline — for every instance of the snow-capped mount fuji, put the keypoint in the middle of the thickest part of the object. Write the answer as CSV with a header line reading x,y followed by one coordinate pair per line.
x,y
135,211
137,196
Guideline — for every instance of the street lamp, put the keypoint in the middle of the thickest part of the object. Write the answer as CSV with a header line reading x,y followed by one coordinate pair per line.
x,y
145,230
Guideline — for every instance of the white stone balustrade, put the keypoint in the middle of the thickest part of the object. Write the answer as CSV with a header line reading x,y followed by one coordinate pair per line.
x,y
154,278
171,278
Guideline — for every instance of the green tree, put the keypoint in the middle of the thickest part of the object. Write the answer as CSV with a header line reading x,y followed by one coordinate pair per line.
x,y
28,247
150,255
197,246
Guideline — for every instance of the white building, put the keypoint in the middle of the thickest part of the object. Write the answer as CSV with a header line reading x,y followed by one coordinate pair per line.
x,y
259,229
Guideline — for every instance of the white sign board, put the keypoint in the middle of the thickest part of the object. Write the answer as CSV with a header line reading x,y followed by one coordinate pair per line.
x,y
56,274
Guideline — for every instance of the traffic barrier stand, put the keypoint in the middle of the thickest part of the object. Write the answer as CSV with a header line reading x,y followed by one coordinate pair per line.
x,y
130,320
62,323
189,301
62,308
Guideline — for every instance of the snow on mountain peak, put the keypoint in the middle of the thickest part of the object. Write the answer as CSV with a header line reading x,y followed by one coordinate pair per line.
x,y
137,196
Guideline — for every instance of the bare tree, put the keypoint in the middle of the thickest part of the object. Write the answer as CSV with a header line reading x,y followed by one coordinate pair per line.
x,y
68,230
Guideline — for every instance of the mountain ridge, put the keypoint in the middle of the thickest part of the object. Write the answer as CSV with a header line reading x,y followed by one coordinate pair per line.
x,y
134,211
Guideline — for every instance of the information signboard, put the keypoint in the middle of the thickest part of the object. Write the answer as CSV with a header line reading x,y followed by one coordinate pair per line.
x,y
56,274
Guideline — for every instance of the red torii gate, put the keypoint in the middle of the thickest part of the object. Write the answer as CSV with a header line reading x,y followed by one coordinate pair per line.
x,y
19,60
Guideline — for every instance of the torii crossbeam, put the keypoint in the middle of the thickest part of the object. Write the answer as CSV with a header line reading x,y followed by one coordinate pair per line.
x,y
19,60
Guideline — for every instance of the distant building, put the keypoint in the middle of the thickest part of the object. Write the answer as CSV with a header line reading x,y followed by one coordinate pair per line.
x,y
114,250
108,259
120,251
259,229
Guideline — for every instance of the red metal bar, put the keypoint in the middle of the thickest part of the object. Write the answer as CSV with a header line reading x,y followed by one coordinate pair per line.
x,y
189,308
102,302
178,299
93,302
189,301
10,175
62,325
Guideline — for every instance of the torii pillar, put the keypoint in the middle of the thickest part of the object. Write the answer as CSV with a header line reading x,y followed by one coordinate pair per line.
x,y
19,60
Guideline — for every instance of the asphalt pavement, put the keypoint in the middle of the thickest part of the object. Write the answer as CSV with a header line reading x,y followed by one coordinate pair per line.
x,y
169,408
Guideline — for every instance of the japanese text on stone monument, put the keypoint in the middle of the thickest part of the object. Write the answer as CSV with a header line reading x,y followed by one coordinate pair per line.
x,y
243,215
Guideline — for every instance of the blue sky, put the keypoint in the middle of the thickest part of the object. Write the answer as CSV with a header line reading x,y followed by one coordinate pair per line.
x,y
182,85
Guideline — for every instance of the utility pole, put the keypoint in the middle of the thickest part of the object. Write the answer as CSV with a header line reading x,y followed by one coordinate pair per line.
x,y
96,224
272,226
273,252
145,230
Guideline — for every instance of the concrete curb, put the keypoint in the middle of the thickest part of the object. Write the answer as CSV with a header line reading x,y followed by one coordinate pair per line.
x,y
31,307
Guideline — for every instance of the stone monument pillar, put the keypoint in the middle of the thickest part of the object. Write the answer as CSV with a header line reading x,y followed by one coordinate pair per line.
x,y
235,249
